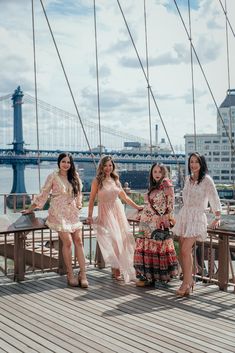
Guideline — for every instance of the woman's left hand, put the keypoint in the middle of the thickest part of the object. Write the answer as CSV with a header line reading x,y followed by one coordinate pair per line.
x,y
215,224
140,208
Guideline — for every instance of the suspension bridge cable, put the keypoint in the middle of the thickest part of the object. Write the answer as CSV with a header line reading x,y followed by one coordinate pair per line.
x,y
68,84
36,95
146,78
227,19
192,76
204,75
229,87
6,97
147,71
67,115
227,50
97,78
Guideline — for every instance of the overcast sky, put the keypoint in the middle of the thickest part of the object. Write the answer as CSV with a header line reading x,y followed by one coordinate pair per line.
x,y
123,92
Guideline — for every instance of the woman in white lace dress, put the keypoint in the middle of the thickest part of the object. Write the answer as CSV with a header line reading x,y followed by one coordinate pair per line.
x,y
191,222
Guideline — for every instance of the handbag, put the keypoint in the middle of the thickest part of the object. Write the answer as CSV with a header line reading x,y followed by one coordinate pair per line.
x,y
161,234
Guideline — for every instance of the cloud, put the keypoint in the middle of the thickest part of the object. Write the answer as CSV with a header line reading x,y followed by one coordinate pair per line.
x,y
123,88
104,71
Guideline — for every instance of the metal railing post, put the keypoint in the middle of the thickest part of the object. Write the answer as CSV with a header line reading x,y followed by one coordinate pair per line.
x,y
223,259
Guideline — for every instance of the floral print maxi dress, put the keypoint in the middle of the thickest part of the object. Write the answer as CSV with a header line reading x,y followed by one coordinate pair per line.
x,y
156,260
63,214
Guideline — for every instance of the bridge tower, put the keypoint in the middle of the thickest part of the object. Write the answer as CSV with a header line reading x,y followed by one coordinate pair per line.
x,y
18,167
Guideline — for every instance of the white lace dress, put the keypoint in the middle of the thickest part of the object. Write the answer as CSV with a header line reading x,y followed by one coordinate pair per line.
x,y
191,220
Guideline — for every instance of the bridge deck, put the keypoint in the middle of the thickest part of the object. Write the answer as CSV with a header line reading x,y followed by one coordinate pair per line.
x,y
44,315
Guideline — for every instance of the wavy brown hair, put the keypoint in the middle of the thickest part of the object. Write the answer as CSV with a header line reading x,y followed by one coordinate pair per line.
x,y
152,182
72,173
100,175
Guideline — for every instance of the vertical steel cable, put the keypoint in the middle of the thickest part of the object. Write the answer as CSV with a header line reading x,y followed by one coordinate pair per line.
x,y
232,154
68,83
146,78
192,76
36,95
148,86
97,78
204,75
227,19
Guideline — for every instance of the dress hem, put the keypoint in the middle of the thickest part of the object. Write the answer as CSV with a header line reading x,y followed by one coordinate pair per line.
x,y
58,228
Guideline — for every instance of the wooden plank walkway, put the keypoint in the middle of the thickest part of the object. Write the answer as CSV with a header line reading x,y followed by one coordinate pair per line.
x,y
43,315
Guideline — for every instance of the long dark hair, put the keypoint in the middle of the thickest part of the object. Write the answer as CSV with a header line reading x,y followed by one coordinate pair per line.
x,y
152,182
100,175
72,174
203,166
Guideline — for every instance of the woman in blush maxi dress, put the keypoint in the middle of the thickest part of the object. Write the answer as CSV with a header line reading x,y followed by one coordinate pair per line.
x,y
112,229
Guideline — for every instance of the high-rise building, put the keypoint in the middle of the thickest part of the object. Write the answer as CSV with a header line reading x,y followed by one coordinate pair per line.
x,y
217,147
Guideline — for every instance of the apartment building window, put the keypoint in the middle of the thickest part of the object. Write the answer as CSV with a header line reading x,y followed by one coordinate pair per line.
x,y
224,171
216,153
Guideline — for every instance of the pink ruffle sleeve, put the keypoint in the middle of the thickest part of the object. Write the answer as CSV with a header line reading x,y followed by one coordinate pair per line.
x,y
41,199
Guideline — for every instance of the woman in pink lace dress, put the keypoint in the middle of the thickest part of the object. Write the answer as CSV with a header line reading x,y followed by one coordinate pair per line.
x,y
155,259
191,222
65,188
112,229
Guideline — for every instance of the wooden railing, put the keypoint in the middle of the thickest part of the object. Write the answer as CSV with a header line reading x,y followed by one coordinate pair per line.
x,y
214,259
25,250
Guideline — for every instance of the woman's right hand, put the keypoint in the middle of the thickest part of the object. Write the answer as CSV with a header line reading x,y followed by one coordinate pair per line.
x,y
27,211
89,220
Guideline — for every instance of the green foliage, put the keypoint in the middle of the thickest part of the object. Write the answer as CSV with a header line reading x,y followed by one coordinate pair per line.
x,y
138,198
224,187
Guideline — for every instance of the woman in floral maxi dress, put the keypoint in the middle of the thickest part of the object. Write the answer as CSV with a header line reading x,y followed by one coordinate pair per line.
x,y
65,188
112,229
155,260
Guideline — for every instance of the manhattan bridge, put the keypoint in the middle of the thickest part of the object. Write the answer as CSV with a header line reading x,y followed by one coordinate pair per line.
x,y
59,131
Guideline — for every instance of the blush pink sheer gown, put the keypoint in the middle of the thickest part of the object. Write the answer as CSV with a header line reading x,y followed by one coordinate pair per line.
x,y
113,233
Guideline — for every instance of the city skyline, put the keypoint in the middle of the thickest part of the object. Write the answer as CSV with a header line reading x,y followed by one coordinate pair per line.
x,y
123,92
